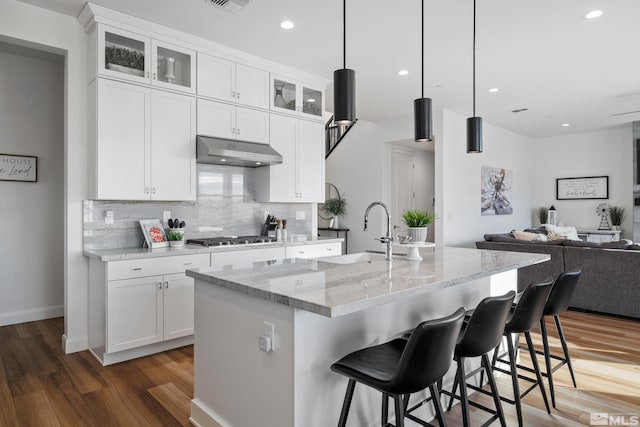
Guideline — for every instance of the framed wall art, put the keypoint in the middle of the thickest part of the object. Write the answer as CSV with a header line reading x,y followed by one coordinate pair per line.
x,y
586,187
495,191
18,168
154,235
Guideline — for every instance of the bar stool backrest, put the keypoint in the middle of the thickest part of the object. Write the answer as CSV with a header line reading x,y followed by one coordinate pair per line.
x,y
428,353
528,311
485,326
561,293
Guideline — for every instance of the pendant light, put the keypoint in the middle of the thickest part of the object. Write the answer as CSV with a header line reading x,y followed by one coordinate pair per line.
x,y
474,124
423,129
344,84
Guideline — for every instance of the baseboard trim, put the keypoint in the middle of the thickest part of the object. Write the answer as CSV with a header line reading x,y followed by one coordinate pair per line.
x,y
203,416
74,345
31,315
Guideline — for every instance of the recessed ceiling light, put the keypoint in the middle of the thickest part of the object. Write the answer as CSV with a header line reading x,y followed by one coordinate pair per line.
x,y
494,90
593,14
223,160
566,125
287,25
258,163
403,72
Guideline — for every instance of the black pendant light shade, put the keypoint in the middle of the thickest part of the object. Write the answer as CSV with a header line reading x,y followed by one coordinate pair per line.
x,y
474,135
422,120
423,128
344,96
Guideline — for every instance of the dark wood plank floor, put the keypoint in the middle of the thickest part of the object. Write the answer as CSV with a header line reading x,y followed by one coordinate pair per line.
x,y
40,386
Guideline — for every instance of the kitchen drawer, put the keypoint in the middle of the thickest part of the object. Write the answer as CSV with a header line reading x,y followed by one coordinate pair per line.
x,y
314,251
130,269
244,258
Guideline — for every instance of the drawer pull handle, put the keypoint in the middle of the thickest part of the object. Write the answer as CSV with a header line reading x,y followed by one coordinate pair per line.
x,y
329,249
188,263
166,285
137,269
160,285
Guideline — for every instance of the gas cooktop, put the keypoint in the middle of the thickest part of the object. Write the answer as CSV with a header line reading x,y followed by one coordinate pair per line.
x,y
230,240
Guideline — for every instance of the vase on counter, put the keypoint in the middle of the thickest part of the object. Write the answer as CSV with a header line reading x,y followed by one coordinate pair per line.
x,y
334,223
418,234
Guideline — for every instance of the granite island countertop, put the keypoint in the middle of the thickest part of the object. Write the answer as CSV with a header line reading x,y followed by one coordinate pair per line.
x,y
341,285
120,254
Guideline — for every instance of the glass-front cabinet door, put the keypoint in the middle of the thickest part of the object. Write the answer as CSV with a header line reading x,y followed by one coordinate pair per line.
x,y
284,94
123,54
173,67
312,102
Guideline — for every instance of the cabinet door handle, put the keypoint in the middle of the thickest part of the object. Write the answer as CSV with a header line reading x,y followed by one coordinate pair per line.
x,y
329,249
137,269
238,131
238,95
146,190
160,285
154,76
187,263
153,190
233,94
166,285
233,131
300,252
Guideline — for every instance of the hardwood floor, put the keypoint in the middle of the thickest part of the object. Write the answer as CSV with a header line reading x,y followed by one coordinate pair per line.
x,y
40,386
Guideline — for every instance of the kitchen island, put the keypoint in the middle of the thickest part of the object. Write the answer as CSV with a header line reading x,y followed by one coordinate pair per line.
x,y
320,310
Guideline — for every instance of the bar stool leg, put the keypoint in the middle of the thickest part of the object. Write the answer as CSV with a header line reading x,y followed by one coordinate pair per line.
x,y
563,341
514,380
453,391
534,360
494,389
547,359
342,422
385,410
399,407
464,403
435,397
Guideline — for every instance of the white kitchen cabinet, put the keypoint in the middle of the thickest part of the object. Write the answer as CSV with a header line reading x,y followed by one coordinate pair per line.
x,y
133,57
144,142
317,250
291,96
229,121
142,306
245,258
300,176
232,82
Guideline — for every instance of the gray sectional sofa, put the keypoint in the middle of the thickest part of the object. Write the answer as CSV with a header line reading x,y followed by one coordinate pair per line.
x,y
610,281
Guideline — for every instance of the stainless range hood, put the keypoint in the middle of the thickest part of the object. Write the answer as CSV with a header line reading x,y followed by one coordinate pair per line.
x,y
230,152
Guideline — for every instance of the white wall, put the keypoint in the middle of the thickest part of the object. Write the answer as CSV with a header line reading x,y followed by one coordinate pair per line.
x,y
32,123
460,209
607,152
63,34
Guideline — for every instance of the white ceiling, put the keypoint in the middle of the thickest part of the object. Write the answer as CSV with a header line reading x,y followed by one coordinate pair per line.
x,y
542,54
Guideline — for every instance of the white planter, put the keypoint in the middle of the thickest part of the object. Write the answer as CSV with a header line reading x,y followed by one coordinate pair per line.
x,y
176,243
418,234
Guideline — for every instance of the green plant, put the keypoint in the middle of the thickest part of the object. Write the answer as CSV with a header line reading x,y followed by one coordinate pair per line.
x,y
124,57
542,214
617,215
175,236
336,206
418,218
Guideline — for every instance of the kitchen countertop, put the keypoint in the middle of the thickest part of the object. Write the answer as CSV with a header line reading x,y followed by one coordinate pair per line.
x,y
139,253
345,284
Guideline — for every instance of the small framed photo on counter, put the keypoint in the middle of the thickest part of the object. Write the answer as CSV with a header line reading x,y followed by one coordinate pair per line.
x,y
154,235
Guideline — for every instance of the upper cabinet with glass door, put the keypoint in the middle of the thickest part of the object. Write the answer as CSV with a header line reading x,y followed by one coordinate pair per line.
x,y
125,55
294,97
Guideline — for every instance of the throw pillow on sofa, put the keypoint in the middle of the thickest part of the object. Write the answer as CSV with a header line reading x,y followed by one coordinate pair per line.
x,y
529,237
555,232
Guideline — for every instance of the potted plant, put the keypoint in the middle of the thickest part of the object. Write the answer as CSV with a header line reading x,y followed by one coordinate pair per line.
x,y
617,216
418,221
542,215
176,239
336,206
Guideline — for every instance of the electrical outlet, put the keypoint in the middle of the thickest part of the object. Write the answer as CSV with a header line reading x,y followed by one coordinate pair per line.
x,y
166,215
265,342
108,217
300,216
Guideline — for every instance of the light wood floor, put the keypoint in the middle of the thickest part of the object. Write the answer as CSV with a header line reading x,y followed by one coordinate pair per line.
x,y
40,386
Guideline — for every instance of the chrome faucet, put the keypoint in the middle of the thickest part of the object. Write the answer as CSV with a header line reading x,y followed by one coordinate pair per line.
x,y
386,239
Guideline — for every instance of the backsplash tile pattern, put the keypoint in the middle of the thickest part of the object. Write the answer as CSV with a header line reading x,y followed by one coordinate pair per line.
x,y
225,200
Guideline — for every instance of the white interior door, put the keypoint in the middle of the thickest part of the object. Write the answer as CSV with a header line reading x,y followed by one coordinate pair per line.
x,y
403,194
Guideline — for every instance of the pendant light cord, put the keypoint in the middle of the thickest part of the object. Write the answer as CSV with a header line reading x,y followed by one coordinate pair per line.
x,y
474,58
422,14
344,34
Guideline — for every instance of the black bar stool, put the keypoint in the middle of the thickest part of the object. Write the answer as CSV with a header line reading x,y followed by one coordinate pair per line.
x,y
400,367
480,334
558,301
525,315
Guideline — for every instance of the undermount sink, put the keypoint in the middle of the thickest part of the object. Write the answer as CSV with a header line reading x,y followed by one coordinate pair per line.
x,y
353,258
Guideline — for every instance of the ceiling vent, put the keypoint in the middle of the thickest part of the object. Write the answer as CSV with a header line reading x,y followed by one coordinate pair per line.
x,y
232,6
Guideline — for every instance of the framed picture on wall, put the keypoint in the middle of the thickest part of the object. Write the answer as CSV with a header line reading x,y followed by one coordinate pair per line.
x,y
586,187
18,168
154,235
